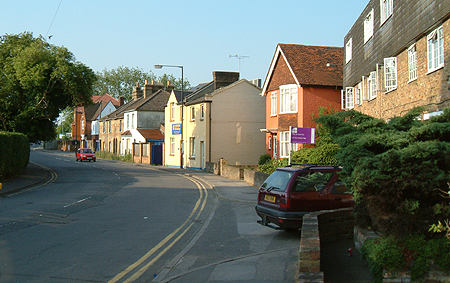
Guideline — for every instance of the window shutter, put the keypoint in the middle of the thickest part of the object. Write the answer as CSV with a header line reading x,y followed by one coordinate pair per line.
x,y
343,100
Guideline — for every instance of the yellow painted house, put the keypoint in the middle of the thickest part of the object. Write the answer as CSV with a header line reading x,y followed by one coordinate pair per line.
x,y
220,119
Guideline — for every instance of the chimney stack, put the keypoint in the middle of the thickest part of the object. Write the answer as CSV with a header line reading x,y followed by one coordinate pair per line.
x,y
169,87
137,92
157,86
222,78
121,100
147,89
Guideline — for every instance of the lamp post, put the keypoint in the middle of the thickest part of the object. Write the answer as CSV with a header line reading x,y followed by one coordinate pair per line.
x,y
158,66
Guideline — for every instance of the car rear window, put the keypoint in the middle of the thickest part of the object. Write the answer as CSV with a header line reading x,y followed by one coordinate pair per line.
x,y
312,181
278,180
86,151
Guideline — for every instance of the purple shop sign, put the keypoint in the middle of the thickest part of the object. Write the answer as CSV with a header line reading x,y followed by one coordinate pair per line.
x,y
303,135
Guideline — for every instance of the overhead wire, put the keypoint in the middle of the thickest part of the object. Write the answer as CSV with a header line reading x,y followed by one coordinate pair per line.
x,y
53,20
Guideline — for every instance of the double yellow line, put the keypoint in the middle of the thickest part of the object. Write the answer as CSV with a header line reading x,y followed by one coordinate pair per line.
x,y
138,268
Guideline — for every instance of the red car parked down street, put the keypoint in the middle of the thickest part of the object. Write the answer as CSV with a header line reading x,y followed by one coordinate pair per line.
x,y
85,154
291,192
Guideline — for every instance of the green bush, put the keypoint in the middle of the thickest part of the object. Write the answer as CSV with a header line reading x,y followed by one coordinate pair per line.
x,y
413,253
14,155
263,159
112,156
397,169
272,164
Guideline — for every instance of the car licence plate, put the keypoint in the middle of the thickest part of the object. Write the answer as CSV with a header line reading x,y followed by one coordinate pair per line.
x,y
88,157
269,198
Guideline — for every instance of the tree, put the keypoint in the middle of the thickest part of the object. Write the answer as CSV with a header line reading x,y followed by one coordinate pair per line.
x,y
37,81
121,81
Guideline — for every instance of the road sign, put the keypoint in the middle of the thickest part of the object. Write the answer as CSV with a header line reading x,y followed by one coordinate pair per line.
x,y
176,129
303,135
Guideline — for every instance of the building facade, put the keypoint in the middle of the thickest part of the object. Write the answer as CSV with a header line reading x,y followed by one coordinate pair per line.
x,y
220,119
301,80
395,58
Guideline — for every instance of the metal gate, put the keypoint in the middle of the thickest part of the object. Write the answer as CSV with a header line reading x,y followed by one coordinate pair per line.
x,y
156,154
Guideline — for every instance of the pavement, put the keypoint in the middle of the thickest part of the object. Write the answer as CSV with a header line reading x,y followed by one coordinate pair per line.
x,y
336,264
33,175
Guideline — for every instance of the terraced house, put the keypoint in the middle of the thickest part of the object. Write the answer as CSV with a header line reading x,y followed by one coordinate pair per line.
x,y
221,119
135,127
396,57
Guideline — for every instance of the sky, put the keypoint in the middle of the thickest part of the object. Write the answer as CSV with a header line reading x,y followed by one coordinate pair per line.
x,y
200,35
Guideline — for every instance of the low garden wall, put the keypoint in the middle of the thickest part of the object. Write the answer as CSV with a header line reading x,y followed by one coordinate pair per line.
x,y
320,226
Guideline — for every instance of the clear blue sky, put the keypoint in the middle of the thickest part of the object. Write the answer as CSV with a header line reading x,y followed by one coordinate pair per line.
x,y
200,35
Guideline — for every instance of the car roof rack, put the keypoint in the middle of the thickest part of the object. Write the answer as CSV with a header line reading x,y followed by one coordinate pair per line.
x,y
313,165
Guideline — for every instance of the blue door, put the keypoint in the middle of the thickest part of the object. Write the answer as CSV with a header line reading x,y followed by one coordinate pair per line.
x,y
156,154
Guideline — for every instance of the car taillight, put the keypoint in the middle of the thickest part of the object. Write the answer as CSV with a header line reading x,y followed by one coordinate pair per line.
x,y
283,202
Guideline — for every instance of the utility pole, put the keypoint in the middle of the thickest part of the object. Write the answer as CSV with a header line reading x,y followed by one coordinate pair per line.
x,y
239,58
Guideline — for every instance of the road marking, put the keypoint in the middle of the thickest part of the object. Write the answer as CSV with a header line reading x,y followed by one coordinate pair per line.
x,y
53,177
200,204
142,270
79,201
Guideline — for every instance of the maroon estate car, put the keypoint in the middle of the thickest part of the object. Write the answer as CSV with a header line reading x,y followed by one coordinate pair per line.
x,y
85,154
290,192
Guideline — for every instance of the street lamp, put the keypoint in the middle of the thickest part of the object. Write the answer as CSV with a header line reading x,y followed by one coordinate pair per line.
x,y
159,66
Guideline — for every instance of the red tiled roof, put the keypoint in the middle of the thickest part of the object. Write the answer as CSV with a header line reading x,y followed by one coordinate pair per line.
x,y
315,65
126,133
105,98
154,134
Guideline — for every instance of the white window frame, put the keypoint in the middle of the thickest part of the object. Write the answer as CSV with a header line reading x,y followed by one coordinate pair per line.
x,y
172,111
288,98
172,146
368,26
192,147
372,85
348,51
349,98
285,144
127,117
273,104
270,143
132,121
363,89
412,63
390,74
435,49
358,94
386,10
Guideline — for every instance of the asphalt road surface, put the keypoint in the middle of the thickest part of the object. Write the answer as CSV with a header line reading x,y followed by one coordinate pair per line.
x,y
111,221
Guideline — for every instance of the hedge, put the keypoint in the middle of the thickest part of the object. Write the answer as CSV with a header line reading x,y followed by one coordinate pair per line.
x,y
14,155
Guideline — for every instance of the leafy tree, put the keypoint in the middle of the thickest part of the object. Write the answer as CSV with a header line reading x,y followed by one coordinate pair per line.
x,y
121,81
37,81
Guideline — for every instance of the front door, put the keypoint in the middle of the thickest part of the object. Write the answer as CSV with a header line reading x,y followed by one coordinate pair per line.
x,y
181,154
202,154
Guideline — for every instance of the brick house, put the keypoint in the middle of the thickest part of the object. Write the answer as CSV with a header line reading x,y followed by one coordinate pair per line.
x,y
84,117
394,58
301,79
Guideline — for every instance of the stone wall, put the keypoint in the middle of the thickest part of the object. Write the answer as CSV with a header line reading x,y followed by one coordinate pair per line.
x,y
254,178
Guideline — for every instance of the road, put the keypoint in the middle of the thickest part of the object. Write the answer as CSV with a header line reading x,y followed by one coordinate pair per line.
x,y
111,221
